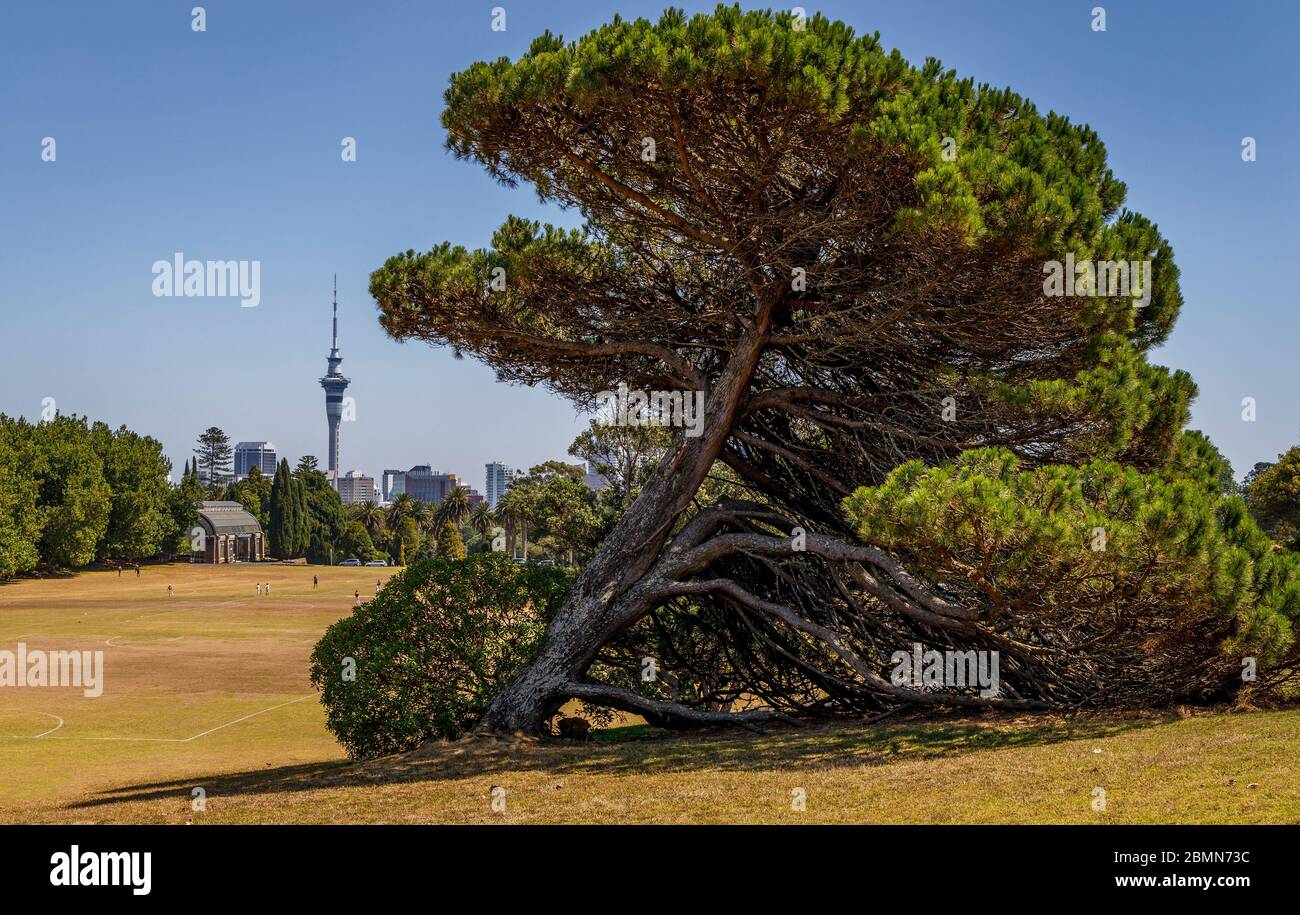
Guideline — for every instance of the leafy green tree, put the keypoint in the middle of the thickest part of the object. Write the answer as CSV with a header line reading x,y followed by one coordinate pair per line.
x,y
567,515
325,519
72,494
518,509
1254,474
135,471
307,464
431,650
1273,496
355,542
858,264
96,493
404,540
552,505
214,453
450,545
624,455
1062,548
20,516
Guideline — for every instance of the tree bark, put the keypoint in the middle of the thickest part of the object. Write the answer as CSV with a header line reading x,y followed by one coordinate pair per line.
x,y
613,591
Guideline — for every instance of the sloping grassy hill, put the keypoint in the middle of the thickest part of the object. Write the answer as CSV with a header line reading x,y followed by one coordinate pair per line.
x,y
1219,768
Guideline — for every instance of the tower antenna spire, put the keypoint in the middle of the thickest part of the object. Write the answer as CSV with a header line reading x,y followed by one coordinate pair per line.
x,y
334,383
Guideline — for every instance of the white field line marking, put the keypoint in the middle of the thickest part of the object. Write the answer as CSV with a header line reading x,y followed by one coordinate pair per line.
x,y
162,739
109,642
33,736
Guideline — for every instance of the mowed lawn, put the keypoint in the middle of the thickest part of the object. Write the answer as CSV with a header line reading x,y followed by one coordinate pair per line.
x,y
209,690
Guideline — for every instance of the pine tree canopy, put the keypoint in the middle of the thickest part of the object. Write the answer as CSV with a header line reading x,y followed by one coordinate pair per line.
x,y
893,286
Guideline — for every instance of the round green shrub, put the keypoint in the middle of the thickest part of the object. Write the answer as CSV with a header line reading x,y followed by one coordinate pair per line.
x,y
425,657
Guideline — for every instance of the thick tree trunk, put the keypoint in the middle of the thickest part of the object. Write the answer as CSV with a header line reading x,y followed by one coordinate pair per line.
x,y
611,593
605,598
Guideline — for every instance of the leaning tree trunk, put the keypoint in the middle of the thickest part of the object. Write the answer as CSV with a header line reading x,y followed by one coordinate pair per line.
x,y
610,593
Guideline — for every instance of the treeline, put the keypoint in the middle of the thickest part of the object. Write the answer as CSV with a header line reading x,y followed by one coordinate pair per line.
x,y
74,492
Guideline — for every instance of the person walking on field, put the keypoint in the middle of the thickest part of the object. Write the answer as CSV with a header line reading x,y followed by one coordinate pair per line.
x,y
268,589
169,591
377,586
259,589
357,595
314,582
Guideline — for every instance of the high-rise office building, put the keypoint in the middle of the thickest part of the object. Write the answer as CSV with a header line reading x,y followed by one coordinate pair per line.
x,y
428,485
498,480
254,454
334,384
355,487
393,483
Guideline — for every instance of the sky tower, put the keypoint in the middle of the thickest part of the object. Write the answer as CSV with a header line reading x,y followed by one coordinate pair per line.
x,y
334,384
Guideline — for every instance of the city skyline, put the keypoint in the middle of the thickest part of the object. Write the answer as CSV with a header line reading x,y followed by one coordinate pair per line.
x,y
337,415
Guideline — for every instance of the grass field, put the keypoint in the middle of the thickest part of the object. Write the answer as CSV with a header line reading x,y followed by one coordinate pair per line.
x,y
208,689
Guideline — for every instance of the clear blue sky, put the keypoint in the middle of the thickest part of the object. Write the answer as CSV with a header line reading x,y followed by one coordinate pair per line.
x,y
225,145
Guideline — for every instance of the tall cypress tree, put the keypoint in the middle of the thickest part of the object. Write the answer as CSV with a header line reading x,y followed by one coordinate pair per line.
x,y
301,517
185,504
280,532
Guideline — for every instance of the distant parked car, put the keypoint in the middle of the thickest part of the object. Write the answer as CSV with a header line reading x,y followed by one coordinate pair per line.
x,y
377,562
546,562
350,562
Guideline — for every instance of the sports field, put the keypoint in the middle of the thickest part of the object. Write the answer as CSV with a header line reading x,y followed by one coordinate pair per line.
x,y
212,679
208,689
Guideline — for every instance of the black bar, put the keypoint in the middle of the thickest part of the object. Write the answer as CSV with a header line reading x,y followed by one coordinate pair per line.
x,y
581,864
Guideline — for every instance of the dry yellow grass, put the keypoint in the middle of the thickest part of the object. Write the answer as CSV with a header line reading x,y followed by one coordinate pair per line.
x,y
178,669
174,668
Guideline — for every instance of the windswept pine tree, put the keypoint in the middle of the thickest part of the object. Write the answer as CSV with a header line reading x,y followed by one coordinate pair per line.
x,y
936,435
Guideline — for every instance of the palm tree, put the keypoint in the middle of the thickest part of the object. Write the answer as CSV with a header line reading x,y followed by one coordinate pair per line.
x,y
426,518
482,521
454,508
510,513
401,508
506,517
371,517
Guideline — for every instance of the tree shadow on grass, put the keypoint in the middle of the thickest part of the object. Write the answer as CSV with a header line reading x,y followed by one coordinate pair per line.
x,y
630,751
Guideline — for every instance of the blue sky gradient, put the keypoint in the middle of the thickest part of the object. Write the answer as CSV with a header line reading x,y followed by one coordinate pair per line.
x,y
225,145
